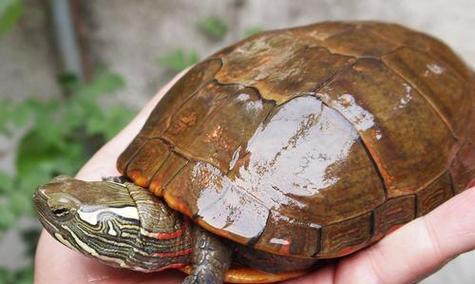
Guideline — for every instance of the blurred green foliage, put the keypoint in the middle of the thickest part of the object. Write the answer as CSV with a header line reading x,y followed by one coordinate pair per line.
x,y
10,13
60,136
22,276
178,59
213,27
252,31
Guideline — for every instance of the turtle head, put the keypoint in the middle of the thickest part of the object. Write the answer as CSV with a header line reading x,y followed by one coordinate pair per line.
x,y
56,204
101,219
88,217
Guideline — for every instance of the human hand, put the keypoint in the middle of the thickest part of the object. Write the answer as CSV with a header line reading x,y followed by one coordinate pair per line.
x,y
407,255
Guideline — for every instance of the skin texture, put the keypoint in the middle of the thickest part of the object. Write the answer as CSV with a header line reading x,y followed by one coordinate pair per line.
x,y
407,255
211,258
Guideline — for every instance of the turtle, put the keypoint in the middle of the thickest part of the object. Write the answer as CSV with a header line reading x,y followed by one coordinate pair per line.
x,y
279,152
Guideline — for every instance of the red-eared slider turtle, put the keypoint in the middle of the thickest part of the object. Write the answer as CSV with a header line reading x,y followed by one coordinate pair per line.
x,y
288,147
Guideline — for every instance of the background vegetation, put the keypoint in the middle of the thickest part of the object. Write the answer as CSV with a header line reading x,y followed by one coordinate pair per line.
x,y
60,135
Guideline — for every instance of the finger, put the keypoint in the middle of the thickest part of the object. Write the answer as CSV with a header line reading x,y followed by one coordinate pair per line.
x,y
417,249
55,265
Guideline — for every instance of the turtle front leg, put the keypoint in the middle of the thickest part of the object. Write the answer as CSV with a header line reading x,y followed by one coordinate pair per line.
x,y
211,258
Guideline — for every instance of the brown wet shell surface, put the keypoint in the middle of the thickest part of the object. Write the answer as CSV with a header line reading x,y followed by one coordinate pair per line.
x,y
312,141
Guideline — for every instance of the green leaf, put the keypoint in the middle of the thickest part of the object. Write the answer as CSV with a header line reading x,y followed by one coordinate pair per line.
x,y
6,276
13,114
252,31
178,59
20,203
21,276
8,217
118,117
109,122
27,184
25,275
34,151
21,116
213,27
10,13
68,81
47,157
76,112
30,237
103,83
62,134
6,183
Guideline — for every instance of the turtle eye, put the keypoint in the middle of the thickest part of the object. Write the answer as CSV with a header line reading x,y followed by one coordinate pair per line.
x,y
62,205
60,212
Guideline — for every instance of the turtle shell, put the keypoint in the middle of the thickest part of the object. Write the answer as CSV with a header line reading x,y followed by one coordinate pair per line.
x,y
312,141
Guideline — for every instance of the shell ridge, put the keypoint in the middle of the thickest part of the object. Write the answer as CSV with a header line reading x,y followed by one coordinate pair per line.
x,y
429,54
376,167
384,38
136,152
421,93
181,106
365,146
